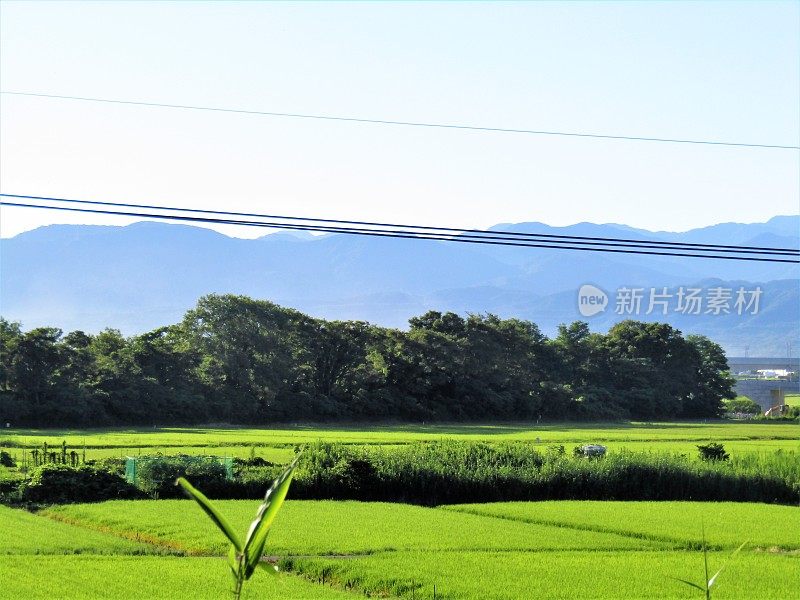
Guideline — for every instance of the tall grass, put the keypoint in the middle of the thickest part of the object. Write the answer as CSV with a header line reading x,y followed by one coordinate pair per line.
x,y
458,472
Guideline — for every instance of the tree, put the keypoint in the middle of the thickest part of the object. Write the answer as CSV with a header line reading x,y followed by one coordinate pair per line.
x,y
252,353
241,360
654,368
712,380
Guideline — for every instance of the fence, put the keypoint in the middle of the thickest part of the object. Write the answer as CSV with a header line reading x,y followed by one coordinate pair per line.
x,y
132,464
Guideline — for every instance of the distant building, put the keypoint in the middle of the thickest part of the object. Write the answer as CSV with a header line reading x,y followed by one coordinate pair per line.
x,y
776,373
765,380
751,365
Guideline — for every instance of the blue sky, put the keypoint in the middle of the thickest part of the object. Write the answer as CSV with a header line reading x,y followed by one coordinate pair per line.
x,y
718,70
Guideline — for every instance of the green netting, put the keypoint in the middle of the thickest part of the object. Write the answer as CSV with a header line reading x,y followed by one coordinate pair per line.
x,y
130,470
131,464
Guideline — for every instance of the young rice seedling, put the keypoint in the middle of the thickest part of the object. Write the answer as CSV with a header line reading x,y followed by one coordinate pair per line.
x,y
244,557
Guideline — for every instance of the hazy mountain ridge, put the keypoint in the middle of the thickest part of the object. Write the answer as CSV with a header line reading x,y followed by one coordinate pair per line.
x,y
147,274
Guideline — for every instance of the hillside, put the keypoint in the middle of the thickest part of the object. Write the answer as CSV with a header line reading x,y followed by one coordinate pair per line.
x,y
143,275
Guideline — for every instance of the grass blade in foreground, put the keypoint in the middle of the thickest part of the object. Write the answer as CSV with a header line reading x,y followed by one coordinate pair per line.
x,y
243,560
709,583
722,568
211,511
259,528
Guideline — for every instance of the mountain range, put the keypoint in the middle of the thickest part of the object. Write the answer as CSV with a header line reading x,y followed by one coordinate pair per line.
x,y
148,274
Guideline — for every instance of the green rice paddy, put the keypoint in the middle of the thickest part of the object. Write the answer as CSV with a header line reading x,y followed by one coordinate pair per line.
x,y
152,549
350,549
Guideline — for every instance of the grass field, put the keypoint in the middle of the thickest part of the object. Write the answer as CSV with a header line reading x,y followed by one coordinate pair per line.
x,y
153,549
727,524
563,575
324,527
275,444
352,549
25,533
141,577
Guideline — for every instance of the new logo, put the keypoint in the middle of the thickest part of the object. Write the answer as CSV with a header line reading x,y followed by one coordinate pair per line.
x,y
591,300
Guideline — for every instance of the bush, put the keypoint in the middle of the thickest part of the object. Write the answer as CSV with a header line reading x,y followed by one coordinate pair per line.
x,y
335,471
461,472
253,461
6,460
713,452
743,405
59,483
250,482
555,450
156,475
10,490
113,464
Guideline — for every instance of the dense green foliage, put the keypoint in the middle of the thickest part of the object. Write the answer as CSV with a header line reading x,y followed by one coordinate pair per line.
x,y
6,460
452,472
156,475
713,451
64,483
741,404
237,360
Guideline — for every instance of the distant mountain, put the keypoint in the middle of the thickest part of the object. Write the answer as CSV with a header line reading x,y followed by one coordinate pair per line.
x,y
147,274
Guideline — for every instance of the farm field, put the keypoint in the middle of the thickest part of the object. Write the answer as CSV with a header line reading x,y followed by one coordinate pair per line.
x,y
727,524
349,549
25,533
322,527
275,444
606,575
145,577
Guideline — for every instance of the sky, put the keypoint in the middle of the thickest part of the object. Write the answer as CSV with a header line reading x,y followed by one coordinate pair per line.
x,y
725,71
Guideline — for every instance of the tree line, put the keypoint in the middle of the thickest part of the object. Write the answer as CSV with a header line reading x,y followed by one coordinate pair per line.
x,y
234,359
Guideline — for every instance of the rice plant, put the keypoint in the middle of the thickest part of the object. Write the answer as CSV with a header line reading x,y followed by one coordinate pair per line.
x,y
243,558
709,583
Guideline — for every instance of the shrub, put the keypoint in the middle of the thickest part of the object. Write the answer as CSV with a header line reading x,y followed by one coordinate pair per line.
x,y
156,475
461,472
336,471
741,404
113,464
555,450
713,452
253,461
6,460
59,483
10,490
250,482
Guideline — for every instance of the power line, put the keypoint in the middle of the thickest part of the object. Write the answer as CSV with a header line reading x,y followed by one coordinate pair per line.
x,y
464,233
405,123
396,234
